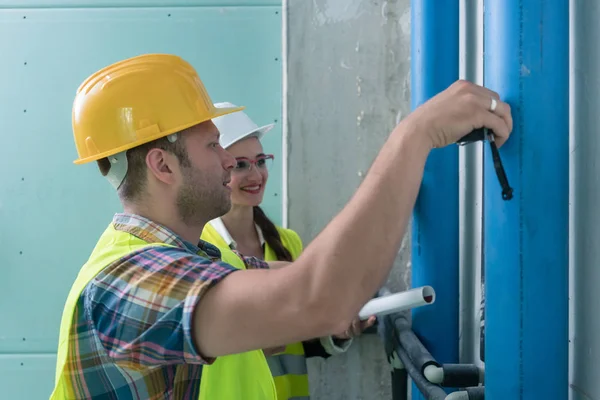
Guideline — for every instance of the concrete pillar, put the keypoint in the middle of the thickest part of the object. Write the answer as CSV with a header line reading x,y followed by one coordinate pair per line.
x,y
585,199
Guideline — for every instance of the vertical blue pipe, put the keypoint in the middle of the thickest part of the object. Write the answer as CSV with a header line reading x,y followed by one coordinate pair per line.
x,y
526,239
435,235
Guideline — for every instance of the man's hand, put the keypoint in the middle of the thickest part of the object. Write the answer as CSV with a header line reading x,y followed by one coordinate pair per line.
x,y
356,328
460,109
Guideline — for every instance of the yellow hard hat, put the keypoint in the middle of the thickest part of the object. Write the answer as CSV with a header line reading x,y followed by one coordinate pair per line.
x,y
138,100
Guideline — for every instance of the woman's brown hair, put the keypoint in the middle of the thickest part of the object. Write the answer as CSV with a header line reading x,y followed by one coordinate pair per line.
x,y
271,234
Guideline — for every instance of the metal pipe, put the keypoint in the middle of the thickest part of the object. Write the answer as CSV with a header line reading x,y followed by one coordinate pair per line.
x,y
470,190
434,66
526,239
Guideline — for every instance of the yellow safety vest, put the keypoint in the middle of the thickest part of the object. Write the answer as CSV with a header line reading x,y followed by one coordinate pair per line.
x,y
288,367
237,376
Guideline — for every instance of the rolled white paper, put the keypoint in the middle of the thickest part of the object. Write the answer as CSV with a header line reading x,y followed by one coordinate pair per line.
x,y
397,302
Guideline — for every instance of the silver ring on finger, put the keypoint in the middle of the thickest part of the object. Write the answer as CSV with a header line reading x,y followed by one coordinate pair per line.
x,y
493,105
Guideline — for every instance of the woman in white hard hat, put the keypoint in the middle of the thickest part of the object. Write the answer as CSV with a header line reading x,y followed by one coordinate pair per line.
x,y
247,230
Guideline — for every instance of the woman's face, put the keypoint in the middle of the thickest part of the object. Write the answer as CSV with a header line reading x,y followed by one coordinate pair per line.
x,y
249,176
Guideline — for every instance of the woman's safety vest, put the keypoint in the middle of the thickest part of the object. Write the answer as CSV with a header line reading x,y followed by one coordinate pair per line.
x,y
232,377
288,367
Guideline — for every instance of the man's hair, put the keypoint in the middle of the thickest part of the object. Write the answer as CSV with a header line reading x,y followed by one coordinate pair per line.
x,y
134,183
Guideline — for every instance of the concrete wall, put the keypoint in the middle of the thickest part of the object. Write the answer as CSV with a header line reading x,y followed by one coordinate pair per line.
x,y
348,81
585,197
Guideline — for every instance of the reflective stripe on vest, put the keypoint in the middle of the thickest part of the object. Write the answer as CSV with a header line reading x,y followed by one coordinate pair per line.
x,y
289,367
246,375
285,363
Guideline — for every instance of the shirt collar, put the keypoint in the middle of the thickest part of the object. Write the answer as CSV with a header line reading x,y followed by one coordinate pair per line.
x,y
152,232
219,226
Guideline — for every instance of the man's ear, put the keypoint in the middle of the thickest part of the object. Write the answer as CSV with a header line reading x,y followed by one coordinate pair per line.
x,y
162,165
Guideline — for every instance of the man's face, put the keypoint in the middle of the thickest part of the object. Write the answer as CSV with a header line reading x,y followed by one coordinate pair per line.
x,y
204,193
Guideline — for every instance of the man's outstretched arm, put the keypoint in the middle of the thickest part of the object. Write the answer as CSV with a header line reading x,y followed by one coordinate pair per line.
x,y
323,290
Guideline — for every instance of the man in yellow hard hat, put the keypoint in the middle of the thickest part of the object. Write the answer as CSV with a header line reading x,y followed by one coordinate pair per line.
x,y
155,314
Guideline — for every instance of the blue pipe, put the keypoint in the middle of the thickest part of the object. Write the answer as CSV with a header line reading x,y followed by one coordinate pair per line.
x,y
526,239
434,67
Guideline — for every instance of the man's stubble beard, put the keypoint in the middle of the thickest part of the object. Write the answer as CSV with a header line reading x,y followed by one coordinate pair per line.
x,y
198,202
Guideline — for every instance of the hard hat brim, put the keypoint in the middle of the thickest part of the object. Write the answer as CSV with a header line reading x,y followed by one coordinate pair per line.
x,y
258,133
217,112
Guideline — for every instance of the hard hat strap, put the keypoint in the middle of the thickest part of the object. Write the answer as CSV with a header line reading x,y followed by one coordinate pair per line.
x,y
118,169
118,166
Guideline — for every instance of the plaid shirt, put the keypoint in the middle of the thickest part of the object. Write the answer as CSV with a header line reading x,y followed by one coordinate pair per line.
x,y
131,337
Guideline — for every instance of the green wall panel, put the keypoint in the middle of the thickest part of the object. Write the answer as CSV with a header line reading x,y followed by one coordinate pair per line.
x,y
27,376
132,3
52,211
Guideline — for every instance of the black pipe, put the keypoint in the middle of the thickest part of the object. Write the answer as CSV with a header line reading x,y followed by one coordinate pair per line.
x,y
419,355
428,389
385,331
460,375
476,393
388,332
399,384
470,393
455,375
398,337
399,377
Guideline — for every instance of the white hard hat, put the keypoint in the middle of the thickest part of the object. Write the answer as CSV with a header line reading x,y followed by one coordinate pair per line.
x,y
237,126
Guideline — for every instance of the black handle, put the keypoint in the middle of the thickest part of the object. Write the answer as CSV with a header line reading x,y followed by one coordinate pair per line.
x,y
483,134
475,136
507,191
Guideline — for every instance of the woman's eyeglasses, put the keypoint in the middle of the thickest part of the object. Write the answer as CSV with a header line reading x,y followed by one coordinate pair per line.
x,y
262,162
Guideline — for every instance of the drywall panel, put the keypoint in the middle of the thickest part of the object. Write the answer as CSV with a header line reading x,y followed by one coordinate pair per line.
x,y
27,376
132,3
52,211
